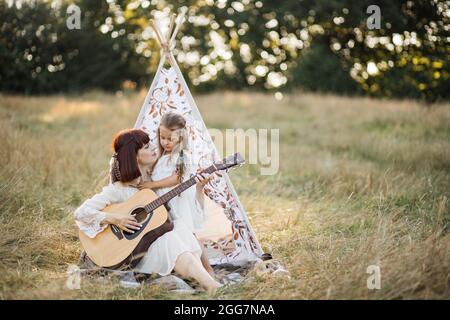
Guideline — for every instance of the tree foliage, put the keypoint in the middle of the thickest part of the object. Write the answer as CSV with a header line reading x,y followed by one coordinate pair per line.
x,y
319,45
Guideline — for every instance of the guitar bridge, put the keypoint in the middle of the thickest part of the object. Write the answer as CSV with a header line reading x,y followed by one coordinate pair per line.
x,y
117,232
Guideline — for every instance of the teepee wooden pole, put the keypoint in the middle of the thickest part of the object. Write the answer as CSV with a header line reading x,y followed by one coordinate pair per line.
x,y
178,23
157,31
169,31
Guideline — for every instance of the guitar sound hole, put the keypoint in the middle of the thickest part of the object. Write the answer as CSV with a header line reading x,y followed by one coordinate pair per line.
x,y
143,218
140,214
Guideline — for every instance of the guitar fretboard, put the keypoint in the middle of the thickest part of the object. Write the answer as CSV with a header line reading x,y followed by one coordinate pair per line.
x,y
176,191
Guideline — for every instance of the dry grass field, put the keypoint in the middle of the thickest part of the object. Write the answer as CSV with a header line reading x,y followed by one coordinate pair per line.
x,y
361,182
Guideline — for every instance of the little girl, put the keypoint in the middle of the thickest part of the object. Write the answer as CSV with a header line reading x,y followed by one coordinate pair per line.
x,y
173,167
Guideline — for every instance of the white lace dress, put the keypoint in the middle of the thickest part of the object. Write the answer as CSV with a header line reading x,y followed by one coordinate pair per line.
x,y
184,207
162,253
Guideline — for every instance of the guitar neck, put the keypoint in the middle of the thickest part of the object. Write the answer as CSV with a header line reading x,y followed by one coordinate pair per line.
x,y
175,191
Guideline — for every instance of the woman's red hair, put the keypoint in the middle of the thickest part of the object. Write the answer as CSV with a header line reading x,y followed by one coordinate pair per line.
x,y
126,144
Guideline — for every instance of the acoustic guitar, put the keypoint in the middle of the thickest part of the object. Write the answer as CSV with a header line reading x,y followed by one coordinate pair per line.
x,y
112,246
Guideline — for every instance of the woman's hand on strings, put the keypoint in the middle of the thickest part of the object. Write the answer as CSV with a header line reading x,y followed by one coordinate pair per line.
x,y
128,224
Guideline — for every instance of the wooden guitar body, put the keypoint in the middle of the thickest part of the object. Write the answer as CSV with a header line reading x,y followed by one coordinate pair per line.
x,y
112,246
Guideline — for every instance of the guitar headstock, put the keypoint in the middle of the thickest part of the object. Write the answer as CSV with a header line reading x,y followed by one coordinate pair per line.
x,y
230,161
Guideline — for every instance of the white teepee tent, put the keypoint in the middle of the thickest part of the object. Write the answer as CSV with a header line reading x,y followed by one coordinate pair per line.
x,y
227,236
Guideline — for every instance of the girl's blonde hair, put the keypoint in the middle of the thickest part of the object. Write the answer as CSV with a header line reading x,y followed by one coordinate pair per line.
x,y
176,122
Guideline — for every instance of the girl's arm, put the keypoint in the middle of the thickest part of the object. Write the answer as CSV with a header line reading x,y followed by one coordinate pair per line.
x,y
200,197
203,179
163,183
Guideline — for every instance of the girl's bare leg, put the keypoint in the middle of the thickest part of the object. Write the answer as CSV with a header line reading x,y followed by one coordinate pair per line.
x,y
205,261
189,266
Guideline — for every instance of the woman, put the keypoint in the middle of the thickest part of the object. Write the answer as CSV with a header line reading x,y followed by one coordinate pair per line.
x,y
176,250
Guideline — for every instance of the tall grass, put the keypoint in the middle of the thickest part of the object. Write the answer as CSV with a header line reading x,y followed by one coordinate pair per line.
x,y
361,182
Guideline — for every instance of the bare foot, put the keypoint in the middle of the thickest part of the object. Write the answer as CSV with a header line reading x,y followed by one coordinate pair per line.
x,y
213,289
210,270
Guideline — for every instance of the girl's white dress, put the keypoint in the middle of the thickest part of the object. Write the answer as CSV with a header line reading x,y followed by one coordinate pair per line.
x,y
184,207
162,253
